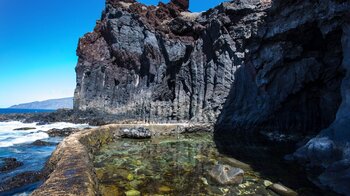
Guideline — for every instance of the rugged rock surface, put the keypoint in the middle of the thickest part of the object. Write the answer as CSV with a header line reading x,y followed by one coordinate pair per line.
x,y
159,63
136,133
270,65
294,79
20,180
42,143
8,164
62,132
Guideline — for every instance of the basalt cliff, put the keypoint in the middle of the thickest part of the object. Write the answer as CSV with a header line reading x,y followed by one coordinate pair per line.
x,y
274,65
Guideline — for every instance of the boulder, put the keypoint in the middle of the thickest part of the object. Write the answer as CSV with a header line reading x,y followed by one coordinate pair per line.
x,y
227,175
42,143
136,133
61,132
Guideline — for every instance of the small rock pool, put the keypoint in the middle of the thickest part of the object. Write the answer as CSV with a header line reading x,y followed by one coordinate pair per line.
x,y
170,165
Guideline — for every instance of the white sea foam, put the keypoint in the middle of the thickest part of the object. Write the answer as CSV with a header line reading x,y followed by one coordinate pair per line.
x,y
9,137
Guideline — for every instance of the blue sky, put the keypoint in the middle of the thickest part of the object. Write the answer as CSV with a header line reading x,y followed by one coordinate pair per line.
x,y
38,40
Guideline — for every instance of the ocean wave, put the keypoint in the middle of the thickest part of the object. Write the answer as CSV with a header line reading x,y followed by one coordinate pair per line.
x,y
24,139
10,137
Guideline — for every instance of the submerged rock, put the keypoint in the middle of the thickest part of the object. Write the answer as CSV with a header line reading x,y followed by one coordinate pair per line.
x,y
227,175
9,164
21,180
282,190
42,143
132,193
267,183
136,133
236,163
164,189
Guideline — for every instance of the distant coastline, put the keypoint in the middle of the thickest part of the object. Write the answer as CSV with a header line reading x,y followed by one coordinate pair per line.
x,y
23,111
51,104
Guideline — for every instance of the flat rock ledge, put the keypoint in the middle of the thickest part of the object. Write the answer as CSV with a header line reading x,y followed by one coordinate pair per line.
x,y
70,169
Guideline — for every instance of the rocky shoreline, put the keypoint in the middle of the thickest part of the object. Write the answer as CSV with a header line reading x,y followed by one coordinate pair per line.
x,y
277,66
260,72
70,170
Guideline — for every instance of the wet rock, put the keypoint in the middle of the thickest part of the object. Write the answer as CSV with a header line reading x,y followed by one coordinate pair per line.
x,y
236,163
70,166
132,193
130,177
204,180
62,132
8,164
21,180
282,190
164,189
227,175
136,133
42,143
267,183
24,128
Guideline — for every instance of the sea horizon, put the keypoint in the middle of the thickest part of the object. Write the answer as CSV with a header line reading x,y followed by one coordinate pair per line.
x,y
23,111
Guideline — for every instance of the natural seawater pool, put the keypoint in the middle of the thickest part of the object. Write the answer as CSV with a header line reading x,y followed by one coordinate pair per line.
x,y
169,165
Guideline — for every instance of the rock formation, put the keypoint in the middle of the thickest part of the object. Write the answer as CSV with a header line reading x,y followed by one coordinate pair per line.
x,y
156,63
276,65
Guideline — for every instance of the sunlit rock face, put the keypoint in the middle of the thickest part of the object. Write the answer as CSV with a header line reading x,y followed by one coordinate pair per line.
x,y
158,63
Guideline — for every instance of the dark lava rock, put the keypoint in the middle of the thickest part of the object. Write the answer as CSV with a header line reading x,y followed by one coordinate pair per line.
x,y
24,128
164,65
137,133
61,132
9,164
227,175
42,143
183,4
21,180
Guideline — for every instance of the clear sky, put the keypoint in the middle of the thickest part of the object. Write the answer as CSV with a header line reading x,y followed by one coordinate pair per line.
x,y
38,40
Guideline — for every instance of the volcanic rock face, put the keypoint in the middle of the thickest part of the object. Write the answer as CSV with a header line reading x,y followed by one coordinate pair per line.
x,y
295,79
156,63
272,64
292,69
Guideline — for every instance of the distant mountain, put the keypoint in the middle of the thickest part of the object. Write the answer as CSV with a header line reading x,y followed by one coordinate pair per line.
x,y
51,104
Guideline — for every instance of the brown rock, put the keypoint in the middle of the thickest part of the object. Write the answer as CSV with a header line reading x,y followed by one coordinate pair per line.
x,y
183,4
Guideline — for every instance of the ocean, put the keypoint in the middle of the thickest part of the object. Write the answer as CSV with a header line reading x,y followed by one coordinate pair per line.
x,y
22,111
18,144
